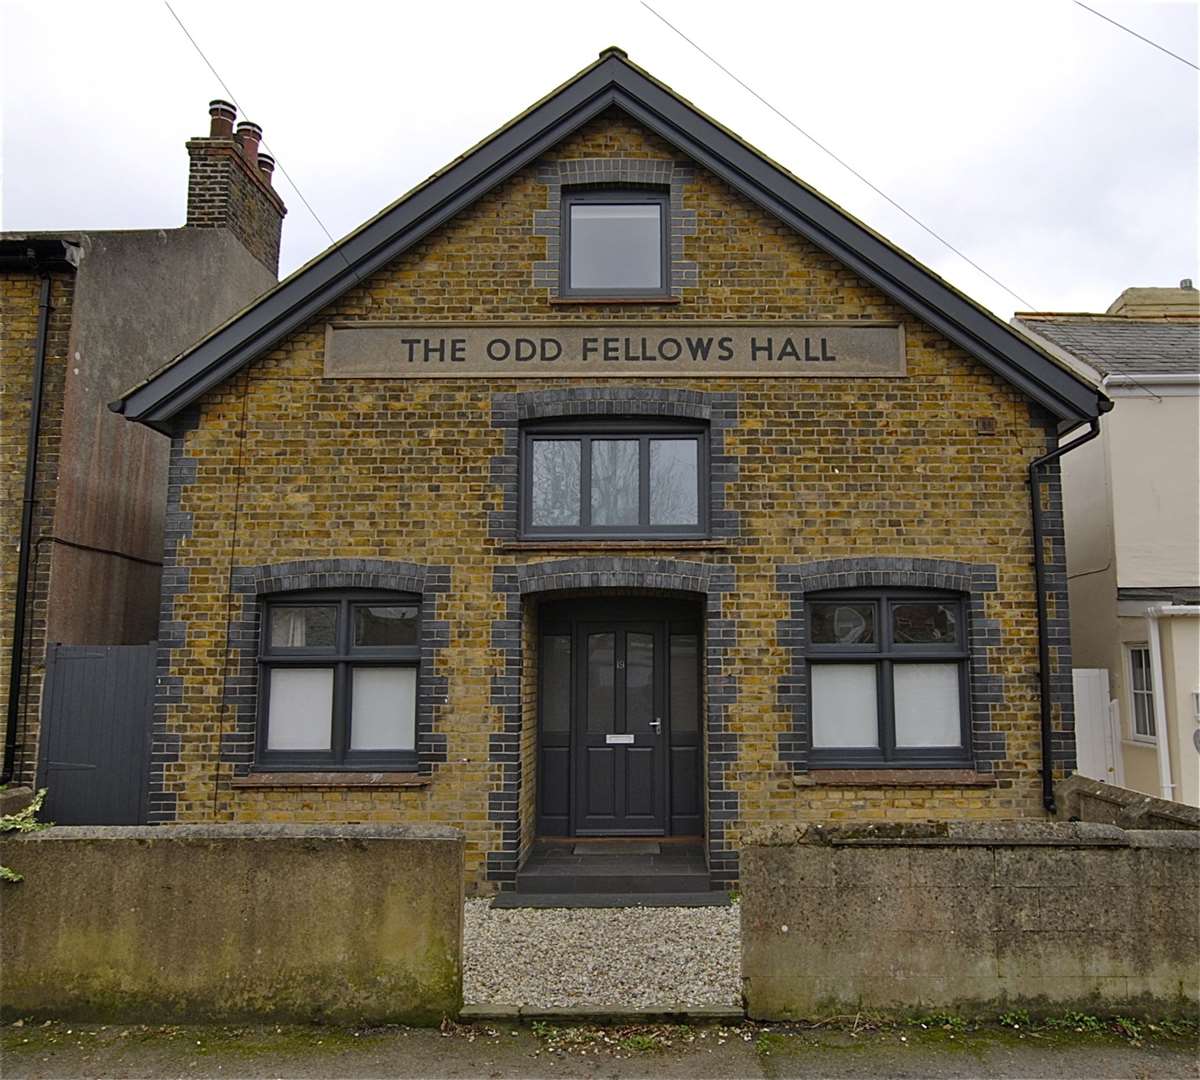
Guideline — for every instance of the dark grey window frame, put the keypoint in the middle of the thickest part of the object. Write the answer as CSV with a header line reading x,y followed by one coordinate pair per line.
x,y
585,431
343,658
884,654
615,196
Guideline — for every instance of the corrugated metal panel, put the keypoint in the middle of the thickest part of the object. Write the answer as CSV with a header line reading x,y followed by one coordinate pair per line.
x,y
95,733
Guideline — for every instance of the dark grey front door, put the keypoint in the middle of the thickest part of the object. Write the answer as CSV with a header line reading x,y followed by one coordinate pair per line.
x,y
619,732
620,760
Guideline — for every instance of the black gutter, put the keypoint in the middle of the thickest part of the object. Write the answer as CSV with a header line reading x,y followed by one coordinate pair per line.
x,y
1039,573
39,258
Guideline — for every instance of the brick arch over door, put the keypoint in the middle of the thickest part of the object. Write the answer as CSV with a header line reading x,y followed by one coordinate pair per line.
x,y
710,581
510,410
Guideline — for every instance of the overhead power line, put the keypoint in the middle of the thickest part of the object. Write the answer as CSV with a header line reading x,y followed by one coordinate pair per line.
x,y
279,163
841,161
1122,26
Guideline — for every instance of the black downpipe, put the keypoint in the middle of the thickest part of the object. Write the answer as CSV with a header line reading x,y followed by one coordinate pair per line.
x,y
26,541
1039,572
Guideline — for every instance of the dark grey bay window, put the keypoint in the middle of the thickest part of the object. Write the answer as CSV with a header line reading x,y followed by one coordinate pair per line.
x,y
615,243
338,681
888,679
616,479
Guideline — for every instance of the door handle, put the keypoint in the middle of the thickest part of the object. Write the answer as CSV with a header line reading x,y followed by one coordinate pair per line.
x,y
656,723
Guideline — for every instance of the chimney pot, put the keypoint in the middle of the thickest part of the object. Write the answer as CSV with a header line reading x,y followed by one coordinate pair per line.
x,y
222,115
249,136
266,166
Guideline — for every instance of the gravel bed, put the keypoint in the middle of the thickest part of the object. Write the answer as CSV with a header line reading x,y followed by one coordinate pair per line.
x,y
630,957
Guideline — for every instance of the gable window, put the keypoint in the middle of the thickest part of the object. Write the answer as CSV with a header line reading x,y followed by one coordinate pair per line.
x,y
615,243
617,479
1141,692
888,678
338,681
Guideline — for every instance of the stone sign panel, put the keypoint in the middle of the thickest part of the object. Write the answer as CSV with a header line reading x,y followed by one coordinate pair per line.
x,y
420,350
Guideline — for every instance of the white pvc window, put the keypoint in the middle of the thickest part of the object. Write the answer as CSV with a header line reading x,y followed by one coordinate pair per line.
x,y
1141,692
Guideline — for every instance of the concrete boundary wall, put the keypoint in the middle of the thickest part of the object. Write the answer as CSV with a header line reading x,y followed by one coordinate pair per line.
x,y
209,922
970,917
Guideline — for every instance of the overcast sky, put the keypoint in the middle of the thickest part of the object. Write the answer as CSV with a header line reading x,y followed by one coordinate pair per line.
x,y
1055,150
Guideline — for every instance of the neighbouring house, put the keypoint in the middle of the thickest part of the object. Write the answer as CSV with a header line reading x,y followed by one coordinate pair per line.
x,y
1132,505
85,313
612,483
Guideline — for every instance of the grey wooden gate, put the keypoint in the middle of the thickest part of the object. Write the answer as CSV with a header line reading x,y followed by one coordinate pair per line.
x,y
98,702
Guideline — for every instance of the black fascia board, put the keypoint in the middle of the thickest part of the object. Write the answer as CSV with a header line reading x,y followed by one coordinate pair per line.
x,y
611,82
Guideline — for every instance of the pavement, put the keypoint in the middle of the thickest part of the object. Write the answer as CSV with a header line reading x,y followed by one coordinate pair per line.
x,y
59,1049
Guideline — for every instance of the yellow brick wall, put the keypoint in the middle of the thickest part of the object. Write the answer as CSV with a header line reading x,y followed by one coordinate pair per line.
x,y
290,466
20,294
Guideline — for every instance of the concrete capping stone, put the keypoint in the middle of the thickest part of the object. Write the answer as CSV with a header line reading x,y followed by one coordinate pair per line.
x,y
635,172
713,582
973,580
1013,833
253,583
15,799
1085,799
240,831
1164,838
510,410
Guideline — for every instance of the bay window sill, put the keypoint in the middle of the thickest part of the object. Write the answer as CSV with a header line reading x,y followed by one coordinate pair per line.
x,y
959,777
377,781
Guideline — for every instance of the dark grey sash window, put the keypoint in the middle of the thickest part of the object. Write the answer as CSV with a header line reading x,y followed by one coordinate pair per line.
x,y
338,680
888,678
615,243
616,479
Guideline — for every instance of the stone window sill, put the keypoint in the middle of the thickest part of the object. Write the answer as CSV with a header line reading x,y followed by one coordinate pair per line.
x,y
557,300
893,778
592,544
375,780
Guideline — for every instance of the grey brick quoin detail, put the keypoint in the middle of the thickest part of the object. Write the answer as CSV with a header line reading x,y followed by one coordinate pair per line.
x,y
975,581
1058,613
713,583
176,581
643,172
254,582
509,411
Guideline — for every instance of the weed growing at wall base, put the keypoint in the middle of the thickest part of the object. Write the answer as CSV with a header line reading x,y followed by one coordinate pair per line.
x,y
23,821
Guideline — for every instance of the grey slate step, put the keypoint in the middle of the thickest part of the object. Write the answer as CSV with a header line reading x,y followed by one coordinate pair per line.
x,y
711,898
613,883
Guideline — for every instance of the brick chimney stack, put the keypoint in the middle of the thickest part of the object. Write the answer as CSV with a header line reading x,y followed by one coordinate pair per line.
x,y
229,185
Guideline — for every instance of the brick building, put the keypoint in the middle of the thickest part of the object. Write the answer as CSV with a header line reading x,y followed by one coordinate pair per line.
x,y
612,482
83,315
